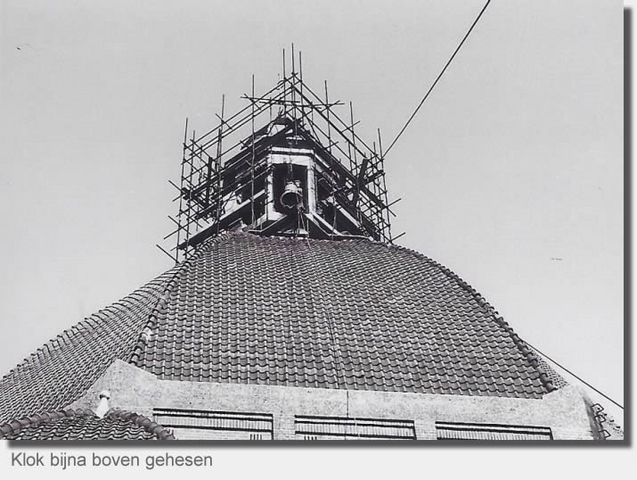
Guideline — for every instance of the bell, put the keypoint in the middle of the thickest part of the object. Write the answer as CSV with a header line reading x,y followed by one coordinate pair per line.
x,y
292,195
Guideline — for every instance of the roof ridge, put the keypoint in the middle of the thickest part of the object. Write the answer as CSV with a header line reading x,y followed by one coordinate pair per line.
x,y
160,306
152,316
13,427
522,346
152,427
65,334
20,394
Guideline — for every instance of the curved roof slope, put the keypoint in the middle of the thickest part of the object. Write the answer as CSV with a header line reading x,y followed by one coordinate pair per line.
x,y
333,314
84,425
59,372
300,312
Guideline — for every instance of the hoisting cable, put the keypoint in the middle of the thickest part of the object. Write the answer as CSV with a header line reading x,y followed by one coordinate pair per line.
x,y
438,78
571,373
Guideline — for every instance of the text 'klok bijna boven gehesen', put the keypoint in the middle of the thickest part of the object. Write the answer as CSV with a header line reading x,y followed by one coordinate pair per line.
x,y
65,460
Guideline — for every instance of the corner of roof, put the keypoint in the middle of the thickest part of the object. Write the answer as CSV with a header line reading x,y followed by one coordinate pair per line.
x,y
546,375
159,307
18,398
162,303
146,423
13,427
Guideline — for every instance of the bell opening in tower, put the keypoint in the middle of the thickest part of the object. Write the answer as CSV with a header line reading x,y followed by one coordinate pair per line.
x,y
289,188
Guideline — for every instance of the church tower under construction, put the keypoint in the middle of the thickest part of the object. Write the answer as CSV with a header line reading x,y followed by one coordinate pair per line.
x,y
291,313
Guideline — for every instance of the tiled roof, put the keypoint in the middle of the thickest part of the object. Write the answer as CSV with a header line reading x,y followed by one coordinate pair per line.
x,y
84,425
59,372
350,314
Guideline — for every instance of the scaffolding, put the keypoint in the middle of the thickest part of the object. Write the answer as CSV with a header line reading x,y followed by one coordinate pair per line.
x,y
231,158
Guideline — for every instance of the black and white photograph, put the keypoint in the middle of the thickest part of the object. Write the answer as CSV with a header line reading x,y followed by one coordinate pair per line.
x,y
312,223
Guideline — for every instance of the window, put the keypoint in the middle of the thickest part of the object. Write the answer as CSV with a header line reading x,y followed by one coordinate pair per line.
x,y
478,431
210,425
343,428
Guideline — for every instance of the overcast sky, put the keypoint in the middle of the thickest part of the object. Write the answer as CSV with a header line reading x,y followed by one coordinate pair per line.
x,y
511,174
